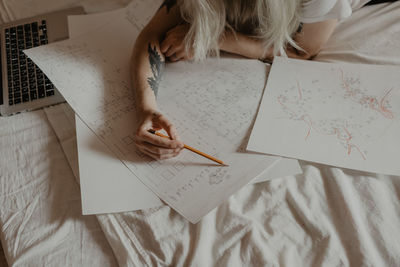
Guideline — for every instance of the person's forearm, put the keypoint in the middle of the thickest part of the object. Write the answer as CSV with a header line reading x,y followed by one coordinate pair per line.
x,y
147,67
244,45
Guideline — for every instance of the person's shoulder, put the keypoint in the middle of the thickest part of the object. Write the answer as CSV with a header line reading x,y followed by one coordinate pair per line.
x,y
320,10
317,7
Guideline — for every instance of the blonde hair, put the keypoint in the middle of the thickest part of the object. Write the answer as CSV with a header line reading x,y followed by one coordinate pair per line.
x,y
272,21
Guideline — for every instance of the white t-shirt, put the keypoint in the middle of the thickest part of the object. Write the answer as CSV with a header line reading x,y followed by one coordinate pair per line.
x,y
320,10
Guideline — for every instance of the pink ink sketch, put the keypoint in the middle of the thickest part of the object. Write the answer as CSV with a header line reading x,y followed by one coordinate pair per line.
x,y
299,103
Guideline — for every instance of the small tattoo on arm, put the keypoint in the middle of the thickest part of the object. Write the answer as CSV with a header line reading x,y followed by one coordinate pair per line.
x,y
157,67
168,4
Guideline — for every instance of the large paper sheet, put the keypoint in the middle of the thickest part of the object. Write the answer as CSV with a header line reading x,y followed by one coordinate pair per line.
x,y
346,115
281,168
107,185
212,104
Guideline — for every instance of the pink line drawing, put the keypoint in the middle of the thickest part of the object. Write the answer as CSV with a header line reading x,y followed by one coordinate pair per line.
x,y
299,89
342,133
372,102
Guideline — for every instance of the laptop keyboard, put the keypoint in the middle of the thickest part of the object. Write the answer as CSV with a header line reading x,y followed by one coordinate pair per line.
x,y
26,82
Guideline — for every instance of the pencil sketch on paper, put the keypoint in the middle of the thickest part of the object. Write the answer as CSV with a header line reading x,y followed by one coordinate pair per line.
x,y
113,91
299,102
213,106
212,109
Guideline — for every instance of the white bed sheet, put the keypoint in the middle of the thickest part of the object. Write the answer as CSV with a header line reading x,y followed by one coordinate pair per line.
x,y
40,215
324,217
40,207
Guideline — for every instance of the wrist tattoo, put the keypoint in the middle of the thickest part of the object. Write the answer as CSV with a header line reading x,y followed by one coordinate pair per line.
x,y
157,66
168,4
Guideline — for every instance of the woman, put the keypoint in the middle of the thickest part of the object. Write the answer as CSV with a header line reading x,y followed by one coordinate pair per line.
x,y
194,29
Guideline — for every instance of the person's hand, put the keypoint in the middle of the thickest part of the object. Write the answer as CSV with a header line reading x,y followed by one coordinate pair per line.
x,y
155,146
173,45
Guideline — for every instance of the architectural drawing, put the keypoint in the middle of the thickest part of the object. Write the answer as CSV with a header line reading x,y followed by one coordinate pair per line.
x,y
213,106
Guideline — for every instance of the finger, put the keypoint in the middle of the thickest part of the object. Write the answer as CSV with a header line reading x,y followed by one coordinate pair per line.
x,y
174,58
173,50
154,156
165,45
145,136
174,29
170,128
180,55
157,149
159,157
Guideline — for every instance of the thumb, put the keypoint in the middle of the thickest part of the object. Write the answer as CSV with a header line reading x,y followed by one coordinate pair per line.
x,y
170,128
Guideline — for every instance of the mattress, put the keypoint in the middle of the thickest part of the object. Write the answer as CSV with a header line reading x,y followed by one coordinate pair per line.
x,y
326,216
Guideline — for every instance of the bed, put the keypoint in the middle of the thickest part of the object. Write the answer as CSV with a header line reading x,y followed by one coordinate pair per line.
x,y
324,217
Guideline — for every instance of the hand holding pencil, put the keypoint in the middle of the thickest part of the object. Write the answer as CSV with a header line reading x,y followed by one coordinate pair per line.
x,y
193,149
153,145
149,142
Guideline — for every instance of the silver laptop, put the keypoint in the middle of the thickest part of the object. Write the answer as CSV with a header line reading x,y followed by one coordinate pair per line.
x,y
24,85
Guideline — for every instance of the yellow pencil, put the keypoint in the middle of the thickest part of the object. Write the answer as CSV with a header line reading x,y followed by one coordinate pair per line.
x,y
192,149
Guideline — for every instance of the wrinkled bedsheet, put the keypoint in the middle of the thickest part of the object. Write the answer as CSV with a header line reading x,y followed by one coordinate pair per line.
x,y
40,207
325,217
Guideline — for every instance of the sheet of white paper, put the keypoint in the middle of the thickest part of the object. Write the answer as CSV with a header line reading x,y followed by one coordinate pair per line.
x,y
213,106
283,167
346,115
112,177
107,185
